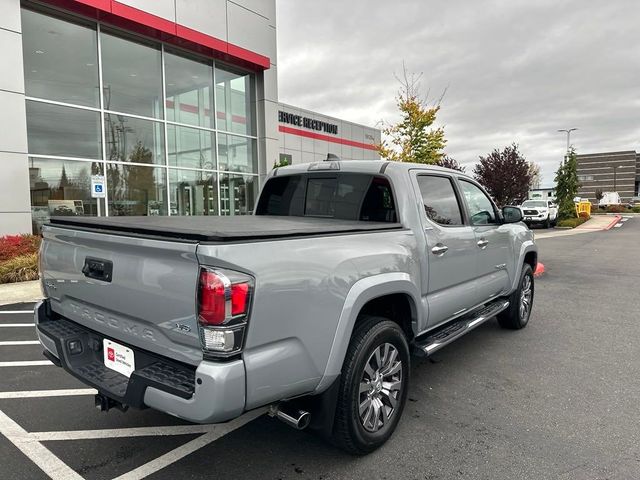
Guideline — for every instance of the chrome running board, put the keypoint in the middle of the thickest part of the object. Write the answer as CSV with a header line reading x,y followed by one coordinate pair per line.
x,y
433,341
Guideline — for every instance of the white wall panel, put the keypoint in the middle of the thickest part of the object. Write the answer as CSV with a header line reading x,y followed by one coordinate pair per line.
x,y
10,15
206,16
14,183
160,8
13,123
14,223
11,66
266,8
251,31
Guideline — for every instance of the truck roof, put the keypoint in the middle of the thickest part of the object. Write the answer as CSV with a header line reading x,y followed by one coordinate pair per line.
x,y
361,166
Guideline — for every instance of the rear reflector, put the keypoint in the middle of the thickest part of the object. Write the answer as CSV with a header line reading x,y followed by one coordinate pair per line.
x,y
239,298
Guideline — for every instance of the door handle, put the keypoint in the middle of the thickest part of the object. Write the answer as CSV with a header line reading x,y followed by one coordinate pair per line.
x,y
439,249
483,243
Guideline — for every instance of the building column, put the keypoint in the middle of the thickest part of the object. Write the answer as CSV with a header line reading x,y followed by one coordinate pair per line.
x,y
15,204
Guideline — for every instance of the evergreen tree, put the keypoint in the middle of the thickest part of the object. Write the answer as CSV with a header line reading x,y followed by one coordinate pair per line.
x,y
567,186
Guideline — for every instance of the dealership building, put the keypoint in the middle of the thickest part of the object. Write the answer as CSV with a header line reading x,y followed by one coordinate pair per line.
x,y
148,107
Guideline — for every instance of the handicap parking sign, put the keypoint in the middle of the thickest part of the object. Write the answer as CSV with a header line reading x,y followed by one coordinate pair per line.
x,y
97,186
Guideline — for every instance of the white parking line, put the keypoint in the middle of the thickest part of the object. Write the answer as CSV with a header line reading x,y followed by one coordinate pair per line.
x,y
19,342
37,453
29,363
48,393
190,447
7,325
16,311
123,432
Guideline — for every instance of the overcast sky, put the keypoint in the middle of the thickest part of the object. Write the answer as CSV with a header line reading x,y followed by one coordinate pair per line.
x,y
516,71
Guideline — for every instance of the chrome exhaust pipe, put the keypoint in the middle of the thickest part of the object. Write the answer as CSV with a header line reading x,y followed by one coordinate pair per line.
x,y
295,418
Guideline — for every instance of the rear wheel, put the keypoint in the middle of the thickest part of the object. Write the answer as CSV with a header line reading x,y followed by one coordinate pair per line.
x,y
373,386
517,315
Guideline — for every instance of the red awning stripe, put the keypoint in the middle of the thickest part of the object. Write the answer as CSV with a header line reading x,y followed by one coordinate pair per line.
x,y
139,21
326,138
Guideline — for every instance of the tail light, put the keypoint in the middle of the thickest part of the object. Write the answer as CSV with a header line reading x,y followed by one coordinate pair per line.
x,y
224,298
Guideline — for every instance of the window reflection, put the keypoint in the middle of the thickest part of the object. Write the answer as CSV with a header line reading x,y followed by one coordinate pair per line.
x,y
60,188
237,154
190,147
238,194
63,131
189,87
132,76
50,70
133,140
234,98
136,190
193,193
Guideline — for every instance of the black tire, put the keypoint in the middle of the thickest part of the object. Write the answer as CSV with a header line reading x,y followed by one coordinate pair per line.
x,y
546,223
349,432
513,317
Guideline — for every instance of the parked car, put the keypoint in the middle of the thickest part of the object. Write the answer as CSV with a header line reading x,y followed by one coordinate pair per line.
x,y
311,306
540,212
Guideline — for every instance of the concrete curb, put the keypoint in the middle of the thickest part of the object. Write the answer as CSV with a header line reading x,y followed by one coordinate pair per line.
x,y
613,222
20,292
539,270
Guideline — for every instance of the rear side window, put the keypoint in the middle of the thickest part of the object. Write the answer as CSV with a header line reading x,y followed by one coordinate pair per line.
x,y
343,196
440,200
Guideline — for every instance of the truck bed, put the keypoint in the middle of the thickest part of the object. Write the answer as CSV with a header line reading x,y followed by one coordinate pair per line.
x,y
221,229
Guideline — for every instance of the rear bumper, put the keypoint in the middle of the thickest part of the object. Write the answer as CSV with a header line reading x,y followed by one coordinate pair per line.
x,y
211,393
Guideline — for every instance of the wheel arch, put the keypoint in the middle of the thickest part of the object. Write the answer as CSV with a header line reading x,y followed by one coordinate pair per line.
x,y
394,293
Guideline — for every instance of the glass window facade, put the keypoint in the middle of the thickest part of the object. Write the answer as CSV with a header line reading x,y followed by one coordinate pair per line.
x,y
61,187
100,102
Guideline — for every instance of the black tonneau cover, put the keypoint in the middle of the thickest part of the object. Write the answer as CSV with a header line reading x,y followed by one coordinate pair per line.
x,y
221,229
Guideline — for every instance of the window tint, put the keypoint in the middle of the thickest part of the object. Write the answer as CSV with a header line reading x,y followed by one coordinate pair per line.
x,y
439,199
343,196
480,207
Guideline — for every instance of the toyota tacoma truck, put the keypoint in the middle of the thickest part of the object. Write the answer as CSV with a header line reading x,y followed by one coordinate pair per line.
x,y
540,212
310,308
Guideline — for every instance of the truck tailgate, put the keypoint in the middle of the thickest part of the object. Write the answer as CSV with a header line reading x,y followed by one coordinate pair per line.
x,y
148,300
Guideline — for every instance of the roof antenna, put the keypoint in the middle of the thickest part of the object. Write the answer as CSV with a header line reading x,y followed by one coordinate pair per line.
x,y
332,157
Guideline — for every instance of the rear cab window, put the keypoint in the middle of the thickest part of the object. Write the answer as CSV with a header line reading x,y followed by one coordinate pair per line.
x,y
345,196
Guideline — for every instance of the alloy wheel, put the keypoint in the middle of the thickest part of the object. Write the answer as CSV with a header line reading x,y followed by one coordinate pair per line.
x,y
380,387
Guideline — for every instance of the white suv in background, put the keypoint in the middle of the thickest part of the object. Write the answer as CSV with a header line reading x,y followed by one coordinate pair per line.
x,y
541,212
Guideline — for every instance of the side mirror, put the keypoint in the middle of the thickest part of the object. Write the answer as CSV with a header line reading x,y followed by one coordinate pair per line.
x,y
512,214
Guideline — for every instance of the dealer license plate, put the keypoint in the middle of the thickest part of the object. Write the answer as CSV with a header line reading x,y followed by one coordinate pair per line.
x,y
118,357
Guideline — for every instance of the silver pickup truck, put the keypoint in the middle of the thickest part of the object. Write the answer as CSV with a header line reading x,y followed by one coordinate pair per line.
x,y
312,306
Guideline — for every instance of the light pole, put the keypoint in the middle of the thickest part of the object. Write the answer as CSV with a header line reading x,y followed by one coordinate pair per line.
x,y
568,132
615,167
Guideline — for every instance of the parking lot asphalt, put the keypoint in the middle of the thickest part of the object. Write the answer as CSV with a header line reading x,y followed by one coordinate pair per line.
x,y
557,400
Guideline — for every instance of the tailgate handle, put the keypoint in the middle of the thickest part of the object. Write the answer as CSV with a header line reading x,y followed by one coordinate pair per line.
x,y
98,269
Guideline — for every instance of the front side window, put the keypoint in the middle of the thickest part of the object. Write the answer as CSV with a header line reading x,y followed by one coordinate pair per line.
x,y
480,206
439,199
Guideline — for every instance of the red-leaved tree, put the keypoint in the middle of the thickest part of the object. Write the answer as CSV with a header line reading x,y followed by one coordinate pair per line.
x,y
448,162
506,175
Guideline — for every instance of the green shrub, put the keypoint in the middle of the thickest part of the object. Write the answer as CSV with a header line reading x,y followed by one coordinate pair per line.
x,y
19,269
572,222
636,209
